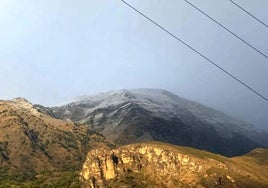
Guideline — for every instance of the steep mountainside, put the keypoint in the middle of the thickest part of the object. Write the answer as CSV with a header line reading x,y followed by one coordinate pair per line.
x,y
129,116
163,165
32,143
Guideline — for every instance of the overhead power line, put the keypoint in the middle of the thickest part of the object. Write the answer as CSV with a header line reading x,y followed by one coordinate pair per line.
x,y
238,37
254,17
196,51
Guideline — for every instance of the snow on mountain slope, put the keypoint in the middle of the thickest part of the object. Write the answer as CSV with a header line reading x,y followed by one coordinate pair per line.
x,y
160,102
127,116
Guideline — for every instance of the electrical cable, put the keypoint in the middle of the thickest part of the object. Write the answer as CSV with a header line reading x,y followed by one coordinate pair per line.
x,y
228,30
254,17
196,51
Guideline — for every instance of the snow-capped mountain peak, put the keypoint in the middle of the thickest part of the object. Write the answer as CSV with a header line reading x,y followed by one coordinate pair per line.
x,y
125,116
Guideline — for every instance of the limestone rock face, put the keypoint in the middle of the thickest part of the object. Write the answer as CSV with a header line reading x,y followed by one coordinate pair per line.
x,y
161,165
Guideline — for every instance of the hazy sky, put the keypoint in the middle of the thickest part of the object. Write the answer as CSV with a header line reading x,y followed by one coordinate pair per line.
x,y
54,50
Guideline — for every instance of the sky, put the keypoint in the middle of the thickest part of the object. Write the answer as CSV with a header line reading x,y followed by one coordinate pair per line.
x,y
54,50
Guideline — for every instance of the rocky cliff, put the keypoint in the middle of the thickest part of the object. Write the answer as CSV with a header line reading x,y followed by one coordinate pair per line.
x,y
162,165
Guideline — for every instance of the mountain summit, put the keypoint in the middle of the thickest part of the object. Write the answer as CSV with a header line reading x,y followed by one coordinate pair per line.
x,y
137,115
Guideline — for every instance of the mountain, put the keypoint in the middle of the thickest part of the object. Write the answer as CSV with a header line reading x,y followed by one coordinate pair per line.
x,y
137,115
36,146
156,164
38,150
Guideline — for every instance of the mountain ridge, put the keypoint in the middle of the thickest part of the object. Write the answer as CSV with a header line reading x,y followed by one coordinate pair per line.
x,y
34,144
127,116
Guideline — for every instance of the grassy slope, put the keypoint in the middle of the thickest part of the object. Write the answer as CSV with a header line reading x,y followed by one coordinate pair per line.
x,y
36,149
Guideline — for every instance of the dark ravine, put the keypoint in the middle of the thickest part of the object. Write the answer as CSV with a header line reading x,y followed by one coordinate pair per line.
x,y
130,116
167,166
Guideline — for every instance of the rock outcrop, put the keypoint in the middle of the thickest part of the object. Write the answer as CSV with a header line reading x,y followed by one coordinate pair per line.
x,y
162,165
